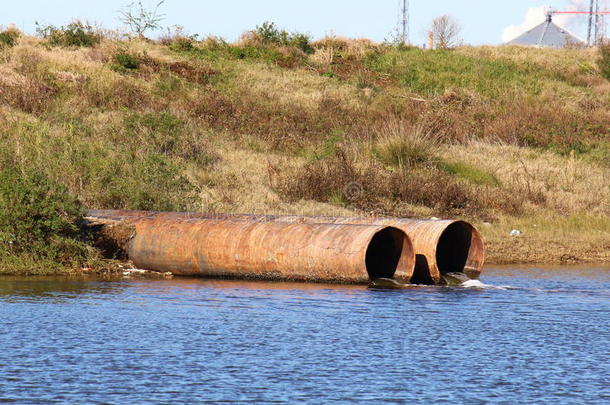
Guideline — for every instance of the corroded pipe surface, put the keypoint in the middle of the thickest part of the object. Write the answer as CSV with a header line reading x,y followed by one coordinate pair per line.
x,y
441,246
238,248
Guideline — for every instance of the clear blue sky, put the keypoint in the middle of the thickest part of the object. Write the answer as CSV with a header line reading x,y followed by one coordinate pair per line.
x,y
483,21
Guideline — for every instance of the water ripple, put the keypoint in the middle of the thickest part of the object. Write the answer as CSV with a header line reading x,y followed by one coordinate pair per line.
x,y
520,336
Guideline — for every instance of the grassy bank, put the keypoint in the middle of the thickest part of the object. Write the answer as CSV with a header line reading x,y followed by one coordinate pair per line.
x,y
509,138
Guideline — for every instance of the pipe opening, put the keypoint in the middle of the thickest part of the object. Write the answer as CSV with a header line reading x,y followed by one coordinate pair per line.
x,y
384,253
454,248
421,273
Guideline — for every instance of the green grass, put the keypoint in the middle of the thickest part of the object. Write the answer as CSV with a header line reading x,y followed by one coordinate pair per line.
x,y
125,62
471,173
600,154
140,125
432,72
135,166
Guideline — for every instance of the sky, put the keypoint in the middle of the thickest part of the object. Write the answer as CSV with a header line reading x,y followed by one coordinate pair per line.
x,y
482,21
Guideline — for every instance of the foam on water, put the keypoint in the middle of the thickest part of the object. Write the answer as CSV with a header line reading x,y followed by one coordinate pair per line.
x,y
479,284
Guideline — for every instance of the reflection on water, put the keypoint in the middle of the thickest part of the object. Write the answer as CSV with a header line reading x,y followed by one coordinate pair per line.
x,y
522,335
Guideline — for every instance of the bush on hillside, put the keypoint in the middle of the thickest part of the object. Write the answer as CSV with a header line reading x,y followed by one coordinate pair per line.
x,y
9,37
341,180
269,34
356,181
125,61
406,147
39,218
177,40
77,33
182,44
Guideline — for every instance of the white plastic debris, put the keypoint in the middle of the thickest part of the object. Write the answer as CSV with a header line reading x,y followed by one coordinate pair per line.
x,y
515,232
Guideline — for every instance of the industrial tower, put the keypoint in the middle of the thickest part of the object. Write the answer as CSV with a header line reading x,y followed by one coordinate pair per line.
x,y
596,32
404,21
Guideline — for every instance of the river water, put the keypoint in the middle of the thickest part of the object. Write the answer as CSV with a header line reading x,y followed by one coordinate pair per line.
x,y
529,335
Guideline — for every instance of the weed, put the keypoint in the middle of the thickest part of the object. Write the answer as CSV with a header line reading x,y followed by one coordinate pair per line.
x,y
341,179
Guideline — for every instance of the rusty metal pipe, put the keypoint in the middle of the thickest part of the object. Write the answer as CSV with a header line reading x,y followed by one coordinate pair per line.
x,y
441,246
238,248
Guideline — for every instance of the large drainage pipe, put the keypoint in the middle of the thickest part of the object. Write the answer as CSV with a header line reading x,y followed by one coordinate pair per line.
x,y
441,246
231,248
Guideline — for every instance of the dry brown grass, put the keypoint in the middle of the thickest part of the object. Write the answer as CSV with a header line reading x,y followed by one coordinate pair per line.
x,y
567,185
549,238
188,131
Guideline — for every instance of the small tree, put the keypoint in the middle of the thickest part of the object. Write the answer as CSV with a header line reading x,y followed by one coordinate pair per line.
x,y
445,32
140,19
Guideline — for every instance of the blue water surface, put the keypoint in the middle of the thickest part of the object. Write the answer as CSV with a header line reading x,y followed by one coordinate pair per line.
x,y
529,335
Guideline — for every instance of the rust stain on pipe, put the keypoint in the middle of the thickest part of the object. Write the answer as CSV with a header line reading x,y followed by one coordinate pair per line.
x,y
441,246
241,248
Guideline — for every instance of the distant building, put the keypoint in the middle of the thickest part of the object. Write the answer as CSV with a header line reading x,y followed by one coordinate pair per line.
x,y
547,35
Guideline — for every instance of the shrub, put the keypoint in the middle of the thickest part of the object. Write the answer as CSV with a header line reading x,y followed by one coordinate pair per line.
x,y
181,44
269,34
353,180
432,188
77,33
9,37
177,40
301,41
603,62
125,61
39,218
335,179
367,187
405,147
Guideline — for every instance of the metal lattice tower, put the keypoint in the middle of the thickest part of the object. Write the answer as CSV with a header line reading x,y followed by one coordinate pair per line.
x,y
597,13
405,22
596,32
